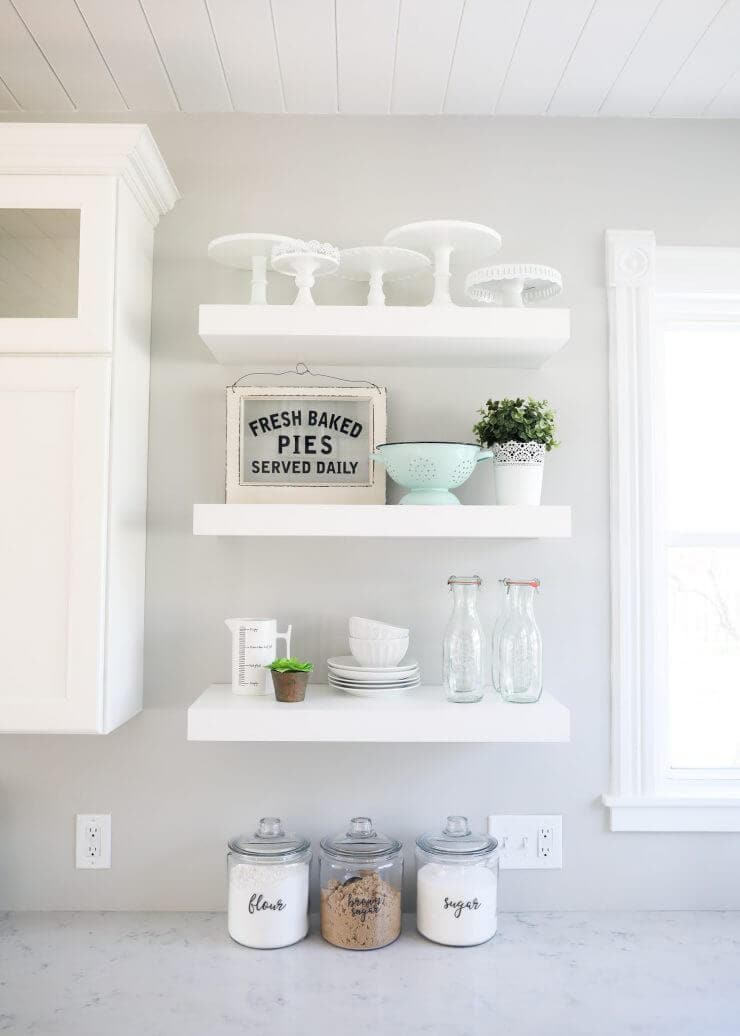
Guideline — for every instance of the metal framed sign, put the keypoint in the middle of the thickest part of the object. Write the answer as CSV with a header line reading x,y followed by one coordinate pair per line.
x,y
304,445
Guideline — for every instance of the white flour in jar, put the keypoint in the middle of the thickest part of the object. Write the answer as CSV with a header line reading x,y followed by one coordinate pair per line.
x,y
456,904
268,904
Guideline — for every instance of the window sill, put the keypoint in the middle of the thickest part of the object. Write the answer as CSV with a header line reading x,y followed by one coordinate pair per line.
x,y
640,813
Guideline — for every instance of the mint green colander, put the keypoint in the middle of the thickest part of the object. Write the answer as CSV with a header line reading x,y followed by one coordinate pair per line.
x,y
429,470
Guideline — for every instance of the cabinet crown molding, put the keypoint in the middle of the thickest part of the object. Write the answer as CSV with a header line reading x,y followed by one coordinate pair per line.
x,y
123,149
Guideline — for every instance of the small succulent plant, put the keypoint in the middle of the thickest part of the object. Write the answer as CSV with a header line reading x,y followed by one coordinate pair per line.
x,y
290,665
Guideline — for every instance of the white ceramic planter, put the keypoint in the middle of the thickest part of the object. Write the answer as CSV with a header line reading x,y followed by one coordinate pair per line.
x,y
518,469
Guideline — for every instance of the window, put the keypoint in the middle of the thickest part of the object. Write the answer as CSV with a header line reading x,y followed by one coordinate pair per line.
x,y
674,318
700,534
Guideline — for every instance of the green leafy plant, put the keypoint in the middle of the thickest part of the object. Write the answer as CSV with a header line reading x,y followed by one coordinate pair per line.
x,y
290,665
516,420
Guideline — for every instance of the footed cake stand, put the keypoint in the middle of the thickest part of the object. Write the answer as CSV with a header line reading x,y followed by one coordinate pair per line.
x,y
513,284
376,263
305,261
441,239
248,252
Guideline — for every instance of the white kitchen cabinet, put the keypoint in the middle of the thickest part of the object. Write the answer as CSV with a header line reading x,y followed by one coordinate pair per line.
x,y
78,207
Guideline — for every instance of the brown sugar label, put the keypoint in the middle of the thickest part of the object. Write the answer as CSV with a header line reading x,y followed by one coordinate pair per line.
x,y
360,906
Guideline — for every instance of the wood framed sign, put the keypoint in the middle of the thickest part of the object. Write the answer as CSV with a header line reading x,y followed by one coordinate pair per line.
x,y
304,445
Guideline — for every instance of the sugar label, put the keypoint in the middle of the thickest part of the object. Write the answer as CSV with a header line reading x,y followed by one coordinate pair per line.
x,y
457,906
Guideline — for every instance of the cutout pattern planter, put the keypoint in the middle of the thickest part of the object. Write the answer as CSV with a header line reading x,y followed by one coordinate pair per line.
x,y
518,468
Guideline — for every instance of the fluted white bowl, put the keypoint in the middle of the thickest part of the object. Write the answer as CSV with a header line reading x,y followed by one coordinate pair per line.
x,y
385,653
370,629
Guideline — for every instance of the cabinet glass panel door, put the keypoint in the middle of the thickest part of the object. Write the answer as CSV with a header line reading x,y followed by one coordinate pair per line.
x,y
39,262
57,255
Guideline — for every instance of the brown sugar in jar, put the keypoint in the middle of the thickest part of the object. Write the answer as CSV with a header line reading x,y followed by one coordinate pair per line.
x,y
361,874
362,913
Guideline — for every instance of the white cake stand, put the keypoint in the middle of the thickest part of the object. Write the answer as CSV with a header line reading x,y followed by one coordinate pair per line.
x,y
248,252
513,284
376,263
305,261
440,239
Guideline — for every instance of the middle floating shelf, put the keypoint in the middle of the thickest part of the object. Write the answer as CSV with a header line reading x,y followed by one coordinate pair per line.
x,y
375,520
377,336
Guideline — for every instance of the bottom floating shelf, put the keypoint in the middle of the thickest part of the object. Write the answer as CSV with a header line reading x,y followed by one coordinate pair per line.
x,y
330,715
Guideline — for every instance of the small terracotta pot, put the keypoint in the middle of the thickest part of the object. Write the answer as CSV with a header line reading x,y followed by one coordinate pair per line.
x,y
289,686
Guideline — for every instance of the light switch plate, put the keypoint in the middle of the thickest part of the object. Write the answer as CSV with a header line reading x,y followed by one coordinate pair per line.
x,y
528,842
92,843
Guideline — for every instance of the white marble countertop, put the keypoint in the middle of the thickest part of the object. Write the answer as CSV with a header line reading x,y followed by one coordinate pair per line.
x,y
138,974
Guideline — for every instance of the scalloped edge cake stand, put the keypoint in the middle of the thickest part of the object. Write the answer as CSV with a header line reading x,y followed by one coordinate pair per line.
x,y
513,284
440,239
378,263
305,267
248,252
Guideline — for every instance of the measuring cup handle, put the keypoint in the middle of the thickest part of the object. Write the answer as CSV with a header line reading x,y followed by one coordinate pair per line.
x,y
286,637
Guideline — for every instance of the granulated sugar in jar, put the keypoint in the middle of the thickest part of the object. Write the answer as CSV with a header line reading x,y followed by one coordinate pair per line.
x,y
457,885
268,887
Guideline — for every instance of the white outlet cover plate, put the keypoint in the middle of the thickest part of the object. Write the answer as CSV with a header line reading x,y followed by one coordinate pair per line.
x,y
528,841
92,841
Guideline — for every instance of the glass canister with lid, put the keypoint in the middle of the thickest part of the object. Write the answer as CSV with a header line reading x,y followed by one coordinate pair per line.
x,y
457,885
360,873
268,875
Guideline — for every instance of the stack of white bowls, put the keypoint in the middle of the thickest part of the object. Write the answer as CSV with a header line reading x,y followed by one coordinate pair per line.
x,y
376,644
374,668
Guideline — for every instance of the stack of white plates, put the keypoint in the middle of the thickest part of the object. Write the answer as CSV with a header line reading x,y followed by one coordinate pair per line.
x,y
346,674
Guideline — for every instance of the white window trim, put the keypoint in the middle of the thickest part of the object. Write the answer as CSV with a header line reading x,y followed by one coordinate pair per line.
x,y
646,285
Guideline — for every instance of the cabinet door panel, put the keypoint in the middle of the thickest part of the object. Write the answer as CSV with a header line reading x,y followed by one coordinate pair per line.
x,y
53,457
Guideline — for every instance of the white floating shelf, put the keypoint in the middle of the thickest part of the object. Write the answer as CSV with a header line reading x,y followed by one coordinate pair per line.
x,y
330,715
377,336
376,520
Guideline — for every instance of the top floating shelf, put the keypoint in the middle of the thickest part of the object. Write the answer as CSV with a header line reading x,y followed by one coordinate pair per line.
x,y
397,336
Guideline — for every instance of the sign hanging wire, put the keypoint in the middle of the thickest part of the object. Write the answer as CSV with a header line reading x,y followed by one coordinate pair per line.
x,y
302,370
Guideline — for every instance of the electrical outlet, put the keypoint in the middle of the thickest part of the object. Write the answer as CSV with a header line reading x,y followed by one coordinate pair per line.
x,y
92,843
528,842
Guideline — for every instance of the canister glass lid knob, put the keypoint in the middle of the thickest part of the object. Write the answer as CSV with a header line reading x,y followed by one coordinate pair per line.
x,y
457,840
361,842
271,844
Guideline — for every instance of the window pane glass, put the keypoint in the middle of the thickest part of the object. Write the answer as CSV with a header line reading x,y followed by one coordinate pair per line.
x,y
704,656
702,369
39,262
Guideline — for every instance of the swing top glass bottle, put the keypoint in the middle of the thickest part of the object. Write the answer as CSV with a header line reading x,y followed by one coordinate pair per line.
x,y
519,670
462,649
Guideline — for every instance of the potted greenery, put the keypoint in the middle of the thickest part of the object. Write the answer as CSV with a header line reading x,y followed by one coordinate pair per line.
x,y
519,431
289,678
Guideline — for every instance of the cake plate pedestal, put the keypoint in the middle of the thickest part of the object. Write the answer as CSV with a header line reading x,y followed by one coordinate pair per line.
x,y
441,239
248,252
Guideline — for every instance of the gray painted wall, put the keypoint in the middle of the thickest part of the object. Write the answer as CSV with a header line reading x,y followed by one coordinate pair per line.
x,y
551,188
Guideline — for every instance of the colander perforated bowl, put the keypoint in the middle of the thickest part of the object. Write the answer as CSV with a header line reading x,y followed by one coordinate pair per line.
x,y
429,470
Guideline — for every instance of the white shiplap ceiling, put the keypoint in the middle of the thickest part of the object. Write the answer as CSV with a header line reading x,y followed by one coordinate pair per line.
x,y
504,57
